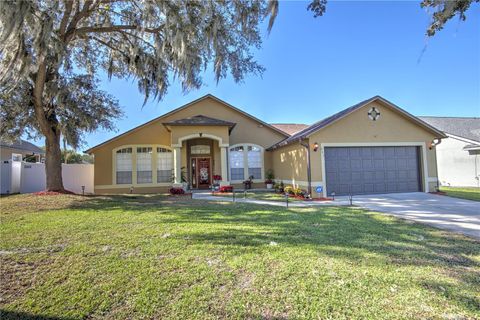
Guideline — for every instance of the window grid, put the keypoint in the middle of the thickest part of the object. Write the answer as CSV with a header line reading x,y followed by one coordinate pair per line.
x,y
245,155
254,159
124,166
164,165
237,171
144,165
200,149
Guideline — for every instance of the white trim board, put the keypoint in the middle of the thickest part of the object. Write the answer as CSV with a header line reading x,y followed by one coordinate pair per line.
x,y
422,145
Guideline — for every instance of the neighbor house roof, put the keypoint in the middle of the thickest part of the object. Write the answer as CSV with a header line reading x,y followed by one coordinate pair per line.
x,y
463,127
22,145
184,107
290,128
341,114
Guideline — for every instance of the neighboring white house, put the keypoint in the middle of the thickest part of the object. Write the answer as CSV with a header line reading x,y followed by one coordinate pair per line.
x,y
458,156
19,176
20,150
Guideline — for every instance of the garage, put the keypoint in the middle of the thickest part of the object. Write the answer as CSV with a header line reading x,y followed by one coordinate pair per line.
x,y
368,170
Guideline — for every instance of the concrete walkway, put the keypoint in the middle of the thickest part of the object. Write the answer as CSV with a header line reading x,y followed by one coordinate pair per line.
x,y
239,198
443,212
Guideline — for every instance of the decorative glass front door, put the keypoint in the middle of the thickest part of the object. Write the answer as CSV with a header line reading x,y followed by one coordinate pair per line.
x,y
201,172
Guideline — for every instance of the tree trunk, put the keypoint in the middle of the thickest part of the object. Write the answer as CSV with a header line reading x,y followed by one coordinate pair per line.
x,y
48,123
53,161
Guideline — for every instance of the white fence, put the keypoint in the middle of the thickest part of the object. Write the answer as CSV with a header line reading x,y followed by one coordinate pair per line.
x,y
25,177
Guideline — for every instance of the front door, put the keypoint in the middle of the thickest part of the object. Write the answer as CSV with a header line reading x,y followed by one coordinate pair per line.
x,y
201,173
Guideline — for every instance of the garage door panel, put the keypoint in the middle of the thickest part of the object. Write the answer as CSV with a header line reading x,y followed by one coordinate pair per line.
x,y
363,170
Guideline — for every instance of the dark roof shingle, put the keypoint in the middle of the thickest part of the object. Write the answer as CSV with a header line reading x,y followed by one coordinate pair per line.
x,y
200,120
22,145
465,127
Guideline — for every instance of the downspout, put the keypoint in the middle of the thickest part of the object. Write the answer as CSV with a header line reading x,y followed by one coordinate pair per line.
x,y
309,171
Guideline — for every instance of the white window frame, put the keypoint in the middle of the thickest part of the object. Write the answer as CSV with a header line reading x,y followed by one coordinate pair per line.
x,y
245,162
134,183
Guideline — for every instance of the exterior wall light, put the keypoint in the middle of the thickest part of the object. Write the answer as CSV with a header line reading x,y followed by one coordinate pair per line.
x,y
434,143
315,147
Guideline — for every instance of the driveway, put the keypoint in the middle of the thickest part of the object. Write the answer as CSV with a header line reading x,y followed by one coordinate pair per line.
x,y
436,210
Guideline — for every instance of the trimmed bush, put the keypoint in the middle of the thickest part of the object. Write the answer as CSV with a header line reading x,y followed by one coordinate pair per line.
x,y
289,190
177,191
225,189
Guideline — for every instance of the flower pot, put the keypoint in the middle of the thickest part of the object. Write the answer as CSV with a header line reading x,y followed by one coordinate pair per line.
x,y
269,185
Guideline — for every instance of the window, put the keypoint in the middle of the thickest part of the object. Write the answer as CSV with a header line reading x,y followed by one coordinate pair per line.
x,y
164,165
246,161
236,163
124,166
254,158
144,165
16,157
200,149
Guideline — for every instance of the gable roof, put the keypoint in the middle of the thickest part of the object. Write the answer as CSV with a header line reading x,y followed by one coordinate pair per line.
x,y
305,133
290,128
464,127
22,145
207,96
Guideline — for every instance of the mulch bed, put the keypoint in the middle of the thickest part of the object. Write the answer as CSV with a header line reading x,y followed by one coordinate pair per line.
x,y
52,193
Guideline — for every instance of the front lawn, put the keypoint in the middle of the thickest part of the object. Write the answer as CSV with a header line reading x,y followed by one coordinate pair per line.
x,y
127,257
463,193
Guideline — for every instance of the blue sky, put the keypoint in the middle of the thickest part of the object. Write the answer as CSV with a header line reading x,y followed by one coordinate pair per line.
x,y
316,67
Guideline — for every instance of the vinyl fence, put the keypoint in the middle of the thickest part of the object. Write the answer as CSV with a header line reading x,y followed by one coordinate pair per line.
x,y
25,177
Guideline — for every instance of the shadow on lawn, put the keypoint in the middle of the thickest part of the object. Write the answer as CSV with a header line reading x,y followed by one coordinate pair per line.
x,y
347,233
327,229
14,315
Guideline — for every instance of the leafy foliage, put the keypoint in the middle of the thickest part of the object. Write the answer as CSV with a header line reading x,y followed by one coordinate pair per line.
x,y
444,10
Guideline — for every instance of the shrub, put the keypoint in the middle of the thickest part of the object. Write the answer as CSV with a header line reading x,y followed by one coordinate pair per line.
x,y
224,189
177,191
298,192
288,189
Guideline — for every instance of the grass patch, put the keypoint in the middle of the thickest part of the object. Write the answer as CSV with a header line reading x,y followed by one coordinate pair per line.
x,y
463,193
124,257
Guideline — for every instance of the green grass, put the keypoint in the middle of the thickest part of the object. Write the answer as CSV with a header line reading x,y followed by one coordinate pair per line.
x,y
68,257
463,193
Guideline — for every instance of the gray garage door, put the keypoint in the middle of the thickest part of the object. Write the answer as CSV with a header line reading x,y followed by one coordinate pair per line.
x,y
367,170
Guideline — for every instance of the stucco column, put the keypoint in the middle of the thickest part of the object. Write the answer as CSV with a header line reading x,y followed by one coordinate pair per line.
x,y
177,165
224,165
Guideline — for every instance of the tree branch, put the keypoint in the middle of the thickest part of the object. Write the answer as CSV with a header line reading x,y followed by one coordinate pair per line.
x,y
66,16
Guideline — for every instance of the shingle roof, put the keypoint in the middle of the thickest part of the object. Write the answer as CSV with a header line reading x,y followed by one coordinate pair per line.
x,y
22,145
468,128
200,120
324,122
290,128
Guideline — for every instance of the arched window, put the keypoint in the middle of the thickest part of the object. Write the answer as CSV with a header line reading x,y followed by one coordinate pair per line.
x,y
124,166
164,165
254,158
237,163
144,165
246,161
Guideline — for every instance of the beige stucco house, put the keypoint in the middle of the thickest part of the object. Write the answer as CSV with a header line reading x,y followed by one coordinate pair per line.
x,y
371,147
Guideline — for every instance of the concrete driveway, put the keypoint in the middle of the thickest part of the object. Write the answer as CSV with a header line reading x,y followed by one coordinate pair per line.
x,y
436,210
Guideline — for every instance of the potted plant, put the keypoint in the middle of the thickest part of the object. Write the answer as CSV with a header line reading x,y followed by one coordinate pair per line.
x,y
269,179
248,183
217,178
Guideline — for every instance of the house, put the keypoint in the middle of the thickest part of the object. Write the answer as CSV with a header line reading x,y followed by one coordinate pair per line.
x,y
458,156
371,147
20,150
